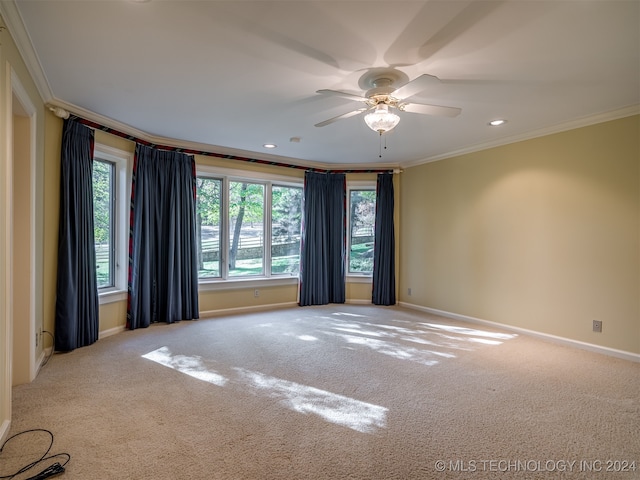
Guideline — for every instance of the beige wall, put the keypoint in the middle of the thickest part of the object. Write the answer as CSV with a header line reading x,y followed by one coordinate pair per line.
x,y
53,144
542,234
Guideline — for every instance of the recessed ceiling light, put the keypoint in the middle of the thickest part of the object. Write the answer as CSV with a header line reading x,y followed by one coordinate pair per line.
x,y
269,145
497,122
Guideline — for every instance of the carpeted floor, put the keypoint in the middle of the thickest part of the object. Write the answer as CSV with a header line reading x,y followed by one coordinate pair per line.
x,y
331,392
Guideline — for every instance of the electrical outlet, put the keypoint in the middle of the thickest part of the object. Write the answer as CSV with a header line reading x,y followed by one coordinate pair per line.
x,y
409,291
256,293
597,326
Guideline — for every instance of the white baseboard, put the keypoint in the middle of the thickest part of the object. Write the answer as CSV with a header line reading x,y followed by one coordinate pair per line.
x,y
111,331
253,308
43,355
4,430
210,313
355,301
612,352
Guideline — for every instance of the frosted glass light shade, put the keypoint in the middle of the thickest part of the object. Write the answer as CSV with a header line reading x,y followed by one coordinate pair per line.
x,y
381,120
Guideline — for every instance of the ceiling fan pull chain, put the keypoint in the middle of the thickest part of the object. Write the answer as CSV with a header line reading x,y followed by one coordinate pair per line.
x,y
380,146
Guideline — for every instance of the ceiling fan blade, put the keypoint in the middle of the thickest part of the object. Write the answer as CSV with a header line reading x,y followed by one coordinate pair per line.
x,y
338,93
340,117
431,109
415,86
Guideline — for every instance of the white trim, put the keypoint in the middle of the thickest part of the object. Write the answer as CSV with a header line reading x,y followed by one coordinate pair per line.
x,y
4,430
217,150
357,185
359,301
235,174
6,216
612,352
123,162
237,310
13,20
362,278
16,27
41,358
561,127
210,285
111,331
21,94
111,296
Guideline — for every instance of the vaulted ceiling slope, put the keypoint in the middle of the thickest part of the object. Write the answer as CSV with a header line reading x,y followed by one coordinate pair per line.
x,y
232,76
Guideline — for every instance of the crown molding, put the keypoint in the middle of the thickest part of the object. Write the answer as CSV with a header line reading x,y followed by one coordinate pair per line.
x,y
558,128
62,109
22,40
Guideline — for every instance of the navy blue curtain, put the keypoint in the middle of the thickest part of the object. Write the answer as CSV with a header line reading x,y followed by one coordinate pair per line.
x,y
322,255
163,253
76,317
384,248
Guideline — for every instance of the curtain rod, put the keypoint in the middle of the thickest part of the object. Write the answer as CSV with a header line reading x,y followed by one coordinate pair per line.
x,y
64,114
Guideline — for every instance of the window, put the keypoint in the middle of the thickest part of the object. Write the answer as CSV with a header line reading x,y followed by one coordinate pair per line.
x,y
247,228
362,217
103,221
246,235
286,225
208,224
111,186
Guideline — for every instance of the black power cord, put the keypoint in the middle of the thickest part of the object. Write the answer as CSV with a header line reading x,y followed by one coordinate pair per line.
x,y
51,471
55,469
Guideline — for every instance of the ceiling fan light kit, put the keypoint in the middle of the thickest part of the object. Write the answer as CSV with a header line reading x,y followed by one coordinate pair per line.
x,y
381,120
383,95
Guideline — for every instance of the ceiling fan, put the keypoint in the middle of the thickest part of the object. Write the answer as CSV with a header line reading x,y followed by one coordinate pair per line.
x,y
382,99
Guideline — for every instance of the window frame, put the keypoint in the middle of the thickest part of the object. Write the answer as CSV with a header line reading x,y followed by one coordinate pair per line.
x,y
356,277
270,239
221,234
122,161
225,216
268,180
111,261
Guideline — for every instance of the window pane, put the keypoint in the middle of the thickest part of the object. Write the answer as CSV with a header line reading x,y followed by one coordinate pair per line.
x,y
208,211
286,216
103,221
362,217
246,229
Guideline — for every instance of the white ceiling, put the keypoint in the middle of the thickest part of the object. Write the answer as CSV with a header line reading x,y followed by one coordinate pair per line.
x,y
233,75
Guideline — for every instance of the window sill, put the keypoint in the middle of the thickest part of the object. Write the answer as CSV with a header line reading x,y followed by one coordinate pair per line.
x,y
240,283
115,295
359,278
111,295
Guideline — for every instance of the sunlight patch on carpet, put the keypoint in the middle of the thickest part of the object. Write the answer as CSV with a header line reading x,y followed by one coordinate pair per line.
x,y
360,416
394,350
304,338
307,338
191,366
470,331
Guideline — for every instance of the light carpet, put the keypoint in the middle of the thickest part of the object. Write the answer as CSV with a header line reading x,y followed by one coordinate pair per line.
x,y
331,392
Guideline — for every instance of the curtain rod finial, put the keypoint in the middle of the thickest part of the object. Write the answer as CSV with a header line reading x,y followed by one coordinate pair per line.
x,y
59,112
